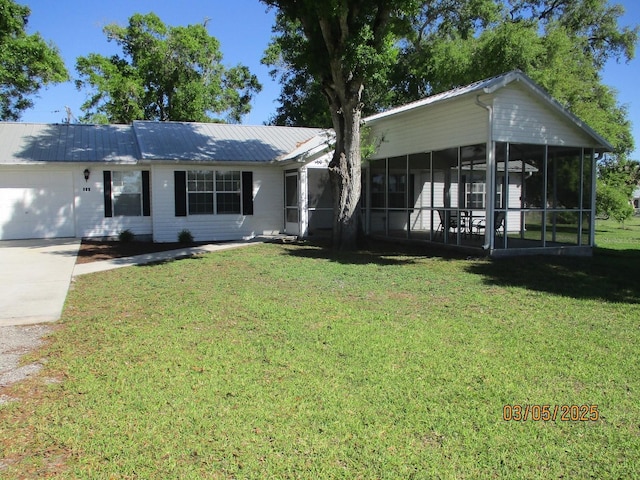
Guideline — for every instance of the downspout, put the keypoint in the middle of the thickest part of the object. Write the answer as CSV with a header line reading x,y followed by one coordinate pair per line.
x,y
491,181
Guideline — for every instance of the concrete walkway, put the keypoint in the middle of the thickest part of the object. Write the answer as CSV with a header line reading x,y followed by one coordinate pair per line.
x,y
34,279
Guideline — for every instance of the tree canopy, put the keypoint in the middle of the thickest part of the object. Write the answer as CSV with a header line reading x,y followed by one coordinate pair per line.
x,y
164,73
441,44
27,62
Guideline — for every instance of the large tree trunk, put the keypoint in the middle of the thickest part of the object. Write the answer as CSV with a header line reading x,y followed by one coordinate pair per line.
x,y
345,175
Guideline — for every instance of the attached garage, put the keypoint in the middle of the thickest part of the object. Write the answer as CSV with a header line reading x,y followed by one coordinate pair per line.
x,y
43,190
36,205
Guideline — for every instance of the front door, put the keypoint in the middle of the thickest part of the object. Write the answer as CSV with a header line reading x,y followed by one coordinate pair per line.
x,y
291,203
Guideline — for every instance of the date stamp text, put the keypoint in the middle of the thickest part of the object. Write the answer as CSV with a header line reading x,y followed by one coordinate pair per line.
x,y
550,413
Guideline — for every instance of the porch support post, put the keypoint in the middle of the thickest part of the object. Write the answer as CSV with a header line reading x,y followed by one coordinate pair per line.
x,y
303,185
592,226
431,197
367,217
545,197
408,200
581,198
489,231
460,201
386,197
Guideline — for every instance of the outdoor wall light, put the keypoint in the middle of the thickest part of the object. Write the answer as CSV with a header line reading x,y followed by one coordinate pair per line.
x,y
87,172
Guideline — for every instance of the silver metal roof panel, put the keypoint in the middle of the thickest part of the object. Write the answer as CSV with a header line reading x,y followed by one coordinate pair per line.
x,y
22,143
217,142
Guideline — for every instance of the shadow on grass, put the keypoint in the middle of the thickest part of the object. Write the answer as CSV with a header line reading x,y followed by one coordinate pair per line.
x,y
610,275
166,261
372,252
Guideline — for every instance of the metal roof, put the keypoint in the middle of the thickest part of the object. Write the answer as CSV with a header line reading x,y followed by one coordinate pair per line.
x,y
488,86
35,143
217,142
22,143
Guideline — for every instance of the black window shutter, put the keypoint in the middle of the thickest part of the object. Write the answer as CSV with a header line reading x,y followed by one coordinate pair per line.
x,y
247,193
108,207
146,197
180,190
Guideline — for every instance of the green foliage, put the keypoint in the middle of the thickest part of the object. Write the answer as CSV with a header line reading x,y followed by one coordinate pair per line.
x,y
302,102
622,173
612,201
27,62
617,179
561,44
338,46
126,236
294,57
165,73
185,236
368,144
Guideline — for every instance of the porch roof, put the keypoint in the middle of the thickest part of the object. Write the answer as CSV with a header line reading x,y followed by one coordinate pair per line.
x,y
491,85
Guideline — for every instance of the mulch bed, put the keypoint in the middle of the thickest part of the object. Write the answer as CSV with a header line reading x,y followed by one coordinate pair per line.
x,y
95,251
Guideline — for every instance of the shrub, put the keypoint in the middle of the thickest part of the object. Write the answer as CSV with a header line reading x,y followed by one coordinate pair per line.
x,y
185,236
126,236
612,201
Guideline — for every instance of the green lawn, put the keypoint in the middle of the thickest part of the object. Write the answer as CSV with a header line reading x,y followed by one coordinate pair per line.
x,y
288,361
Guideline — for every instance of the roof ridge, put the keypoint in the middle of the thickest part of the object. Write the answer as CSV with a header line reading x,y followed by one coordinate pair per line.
x,y
451,93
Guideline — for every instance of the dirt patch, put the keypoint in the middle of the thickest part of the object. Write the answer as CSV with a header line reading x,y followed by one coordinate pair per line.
x,y
14,343
95,251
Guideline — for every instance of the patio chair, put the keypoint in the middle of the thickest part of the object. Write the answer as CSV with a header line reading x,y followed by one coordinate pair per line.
x,y
498,224
453,225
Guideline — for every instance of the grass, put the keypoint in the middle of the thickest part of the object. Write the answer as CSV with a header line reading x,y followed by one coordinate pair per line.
x,y
288,361
611,238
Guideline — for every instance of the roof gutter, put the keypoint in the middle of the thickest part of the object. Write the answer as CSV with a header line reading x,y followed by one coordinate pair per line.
x,y
491,171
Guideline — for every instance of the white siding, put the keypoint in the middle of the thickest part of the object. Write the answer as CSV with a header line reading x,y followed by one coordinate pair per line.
x,y
268,208
90,218
449,124
515,193
519,117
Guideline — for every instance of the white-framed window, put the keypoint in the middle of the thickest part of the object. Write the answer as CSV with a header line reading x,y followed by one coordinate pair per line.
x,y
475,191
210,192
228,192
476,194
126,193
200,192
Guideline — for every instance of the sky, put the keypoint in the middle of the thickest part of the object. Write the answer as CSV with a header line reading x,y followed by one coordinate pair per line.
x,y
243,28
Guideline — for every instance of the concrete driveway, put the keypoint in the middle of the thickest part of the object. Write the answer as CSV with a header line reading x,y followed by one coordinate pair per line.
x,y
34,279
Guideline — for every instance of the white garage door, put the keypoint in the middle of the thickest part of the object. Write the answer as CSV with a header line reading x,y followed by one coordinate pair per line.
x,y
36,205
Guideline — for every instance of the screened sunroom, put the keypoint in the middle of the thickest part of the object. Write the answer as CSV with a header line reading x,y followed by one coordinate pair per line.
x,y
497,167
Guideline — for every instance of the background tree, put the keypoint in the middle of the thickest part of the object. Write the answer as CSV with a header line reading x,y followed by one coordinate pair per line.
x,y
562,44
27,62
165,73
617,180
